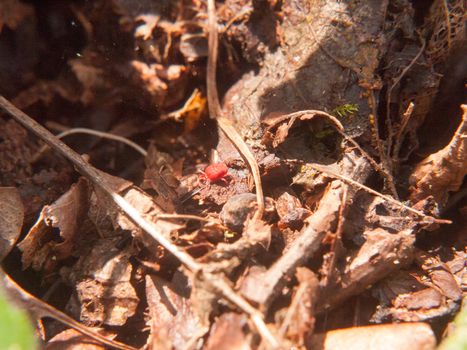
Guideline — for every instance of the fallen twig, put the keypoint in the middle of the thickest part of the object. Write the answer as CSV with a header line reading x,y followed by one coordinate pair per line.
x,y
400,134
374,124
429,219
199,270
105,135
389,94
216,112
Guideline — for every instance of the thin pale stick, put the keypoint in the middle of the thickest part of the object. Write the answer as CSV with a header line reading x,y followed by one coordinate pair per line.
x,y
216,112
399,138
389,94
105,135
376,193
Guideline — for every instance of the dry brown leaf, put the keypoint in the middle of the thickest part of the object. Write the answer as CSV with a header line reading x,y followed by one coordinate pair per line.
x,y
159,176
191,112
229,333
411,296
103,211
409,336
382,253
103,284
11,219
443,171
173,322
90,77
108,218
149,209
66,214
440,274
13,12
71,339
290,211
145,30
193,46
147,74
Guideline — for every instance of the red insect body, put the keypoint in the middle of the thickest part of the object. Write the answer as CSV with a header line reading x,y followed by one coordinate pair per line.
x,y
216,172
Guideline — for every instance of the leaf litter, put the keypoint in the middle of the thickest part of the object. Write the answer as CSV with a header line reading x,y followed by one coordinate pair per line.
x,y
309,226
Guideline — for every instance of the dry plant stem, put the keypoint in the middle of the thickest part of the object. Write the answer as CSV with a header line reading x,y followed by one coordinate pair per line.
x,y
337,238
379,144
216,111
389,94
105,135
182,217
348,180
400,134
42,309
93,175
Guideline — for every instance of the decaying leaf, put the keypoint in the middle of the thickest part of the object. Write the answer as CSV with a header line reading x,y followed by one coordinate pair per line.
x,y
145,30
149,209
381,254
90,77
11,219
13,12
419,295
443,171
408,336
191,112
71,339
66,214
229,333
159,176
172,320
103,284
290,211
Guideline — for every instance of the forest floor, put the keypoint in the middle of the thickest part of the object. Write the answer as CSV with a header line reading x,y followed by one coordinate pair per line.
x,y
242,174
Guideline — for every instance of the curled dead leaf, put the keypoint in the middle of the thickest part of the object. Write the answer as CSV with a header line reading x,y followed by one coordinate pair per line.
x,y
66,214
11,219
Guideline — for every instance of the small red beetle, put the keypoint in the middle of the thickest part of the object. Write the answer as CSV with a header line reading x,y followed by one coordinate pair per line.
x,y
216,172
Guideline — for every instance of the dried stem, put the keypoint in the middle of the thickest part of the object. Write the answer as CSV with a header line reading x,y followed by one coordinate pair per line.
x,y
389,94
400,134
216,112
105,135
379,143
354,183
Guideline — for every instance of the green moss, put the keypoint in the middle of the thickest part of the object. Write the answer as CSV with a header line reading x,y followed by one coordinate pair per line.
x,y
345,110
